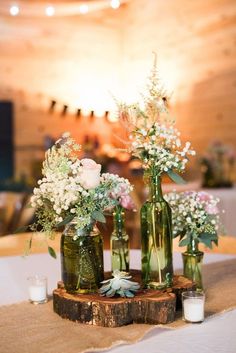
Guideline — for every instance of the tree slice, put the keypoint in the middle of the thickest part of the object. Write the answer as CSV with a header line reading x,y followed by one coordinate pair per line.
x,y
180,285
148,306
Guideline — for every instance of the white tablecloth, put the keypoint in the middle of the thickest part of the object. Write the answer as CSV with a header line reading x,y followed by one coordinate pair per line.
x,y
216,334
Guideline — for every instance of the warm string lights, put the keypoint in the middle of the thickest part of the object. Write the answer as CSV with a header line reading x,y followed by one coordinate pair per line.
x,y
63,110
50,10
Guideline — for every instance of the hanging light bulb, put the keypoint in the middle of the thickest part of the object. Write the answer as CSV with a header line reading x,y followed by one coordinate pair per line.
x,y
115,4
14,10
49,11
83,9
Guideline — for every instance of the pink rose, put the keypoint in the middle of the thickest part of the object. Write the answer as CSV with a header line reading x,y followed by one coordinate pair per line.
x,y
90,173
204,196
122,192
212,210
127,202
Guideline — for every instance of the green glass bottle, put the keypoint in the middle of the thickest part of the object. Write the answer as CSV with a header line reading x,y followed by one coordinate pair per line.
x,y
192,263
119,242
82,259
156,238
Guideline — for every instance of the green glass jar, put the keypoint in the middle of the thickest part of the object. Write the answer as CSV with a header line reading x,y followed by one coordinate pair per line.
x,y
192,263
82,259
156,238
119,242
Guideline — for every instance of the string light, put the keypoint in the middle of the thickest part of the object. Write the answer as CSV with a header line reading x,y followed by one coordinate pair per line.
x,y
115,4
14,10
83,9
50,11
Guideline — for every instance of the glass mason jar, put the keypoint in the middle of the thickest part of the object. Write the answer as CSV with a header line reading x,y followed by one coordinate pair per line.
x,y
156,238
192,263
119,242
82,258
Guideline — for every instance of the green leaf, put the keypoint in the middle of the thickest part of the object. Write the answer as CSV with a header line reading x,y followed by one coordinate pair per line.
x,y
207,242
52,252
98,216
65,221
184,242
21,229
176,177
208,238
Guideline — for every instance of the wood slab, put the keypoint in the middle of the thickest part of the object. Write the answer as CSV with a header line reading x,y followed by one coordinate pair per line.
x,y
148,306
180,284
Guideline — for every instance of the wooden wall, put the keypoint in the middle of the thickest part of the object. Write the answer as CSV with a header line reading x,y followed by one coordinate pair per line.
x,y
79,60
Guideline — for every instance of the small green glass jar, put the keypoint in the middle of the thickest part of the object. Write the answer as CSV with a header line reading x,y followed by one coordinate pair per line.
x,y
82,259
119,242
192,263
156,238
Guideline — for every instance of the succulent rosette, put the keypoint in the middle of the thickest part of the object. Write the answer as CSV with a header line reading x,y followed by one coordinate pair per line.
x,y
195,215
119,285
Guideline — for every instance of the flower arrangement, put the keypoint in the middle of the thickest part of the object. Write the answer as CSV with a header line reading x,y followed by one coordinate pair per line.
x,y
119,285
152,135
74,189
195,216
121,190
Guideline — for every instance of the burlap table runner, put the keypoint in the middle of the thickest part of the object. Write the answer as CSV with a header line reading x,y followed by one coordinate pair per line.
x,y
26,328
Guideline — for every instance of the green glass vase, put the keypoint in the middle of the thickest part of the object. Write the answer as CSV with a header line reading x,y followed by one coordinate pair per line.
x,y
82,259
119,242
192,263
156,238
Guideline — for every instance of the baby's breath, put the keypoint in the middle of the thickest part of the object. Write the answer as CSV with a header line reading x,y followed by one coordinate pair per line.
x,y
195,215
60,195
152,135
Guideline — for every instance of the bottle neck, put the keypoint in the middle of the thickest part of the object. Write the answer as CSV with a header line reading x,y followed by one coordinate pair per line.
x,y
118,220
155,191
193,246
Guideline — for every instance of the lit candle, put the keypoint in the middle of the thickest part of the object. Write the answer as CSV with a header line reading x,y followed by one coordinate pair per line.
x,y
37,289
193,306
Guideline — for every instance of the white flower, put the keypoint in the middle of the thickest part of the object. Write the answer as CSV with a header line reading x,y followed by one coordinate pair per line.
x,y
66,134
89,174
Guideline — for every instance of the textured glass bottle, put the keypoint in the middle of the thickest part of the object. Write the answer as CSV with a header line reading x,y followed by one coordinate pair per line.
x,y
192,262
156,238
119,242
81,258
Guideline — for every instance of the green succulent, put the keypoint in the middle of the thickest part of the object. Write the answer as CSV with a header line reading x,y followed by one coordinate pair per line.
x,y
119,285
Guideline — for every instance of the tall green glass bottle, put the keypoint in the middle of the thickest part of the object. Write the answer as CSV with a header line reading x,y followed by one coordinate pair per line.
x,y
156,238
119,242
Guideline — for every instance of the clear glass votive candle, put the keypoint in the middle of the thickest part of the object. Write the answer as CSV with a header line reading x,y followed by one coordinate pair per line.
x,y
37,289
193,306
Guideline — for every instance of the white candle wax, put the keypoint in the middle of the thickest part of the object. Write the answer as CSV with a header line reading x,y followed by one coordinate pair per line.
x,y
37,293
194,309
